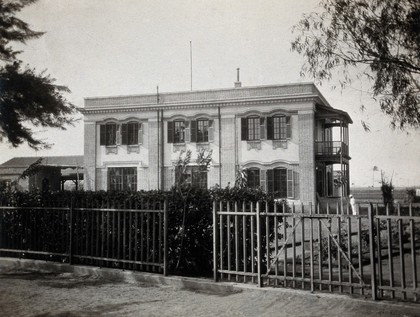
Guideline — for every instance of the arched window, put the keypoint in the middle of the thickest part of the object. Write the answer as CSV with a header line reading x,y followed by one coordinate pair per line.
x,y
253,177
108,134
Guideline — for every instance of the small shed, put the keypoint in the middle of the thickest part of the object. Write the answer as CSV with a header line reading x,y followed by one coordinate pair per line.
x,y
51,172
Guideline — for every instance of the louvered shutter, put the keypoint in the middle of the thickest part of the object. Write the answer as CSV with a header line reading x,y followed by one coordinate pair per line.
x,y
270,181
211,131
124,133
244,129
263,179
170,132
270,128
102,135
262,128
290,185
193,130
118,134
289,127
140,134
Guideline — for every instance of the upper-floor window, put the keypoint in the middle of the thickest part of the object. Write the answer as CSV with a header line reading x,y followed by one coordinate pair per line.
x,y
202,130
130,133
108,134
176,131
253,177
278,127
252,128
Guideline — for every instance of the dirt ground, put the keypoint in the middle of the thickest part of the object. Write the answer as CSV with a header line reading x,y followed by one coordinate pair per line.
x,y
26,293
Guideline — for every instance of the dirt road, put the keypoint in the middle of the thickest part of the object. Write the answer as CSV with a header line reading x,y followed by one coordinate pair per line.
x,y
25,293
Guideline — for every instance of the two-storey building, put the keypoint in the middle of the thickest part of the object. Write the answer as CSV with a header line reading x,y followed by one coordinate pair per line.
x,y
286,138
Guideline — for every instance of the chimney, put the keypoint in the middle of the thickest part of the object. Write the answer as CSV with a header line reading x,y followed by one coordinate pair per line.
x,y
238,84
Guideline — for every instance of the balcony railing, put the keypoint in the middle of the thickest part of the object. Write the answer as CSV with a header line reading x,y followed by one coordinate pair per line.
x,y
331,148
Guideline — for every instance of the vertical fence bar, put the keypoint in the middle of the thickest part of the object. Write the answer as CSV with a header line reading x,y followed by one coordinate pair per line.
x,y
320,254
360,255
285,247
372,251
71,233
311,246
259,256
379,251
349,246
293,247
302,237
236,243
228,240
214,242
330,287
390,257
267,238
252,243
413,251
165,238
221,237
340,268
244,220
401,251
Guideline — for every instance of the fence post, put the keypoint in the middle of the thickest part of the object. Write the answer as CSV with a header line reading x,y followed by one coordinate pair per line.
x,y
165,238
259,258
214,242
71,232
372,251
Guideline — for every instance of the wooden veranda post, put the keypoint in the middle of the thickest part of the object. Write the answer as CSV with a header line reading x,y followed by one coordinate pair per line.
x,y
372,251
214,242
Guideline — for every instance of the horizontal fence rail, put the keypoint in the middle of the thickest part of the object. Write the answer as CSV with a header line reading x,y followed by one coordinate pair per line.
x,y
108,237
321,249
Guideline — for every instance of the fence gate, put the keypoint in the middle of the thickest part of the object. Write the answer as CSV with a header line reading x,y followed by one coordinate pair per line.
x,y
277,245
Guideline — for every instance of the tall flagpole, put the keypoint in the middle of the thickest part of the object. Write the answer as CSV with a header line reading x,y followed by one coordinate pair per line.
x,y
191,63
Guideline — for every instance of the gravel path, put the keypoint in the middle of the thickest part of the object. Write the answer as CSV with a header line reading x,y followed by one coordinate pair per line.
x,y
25,293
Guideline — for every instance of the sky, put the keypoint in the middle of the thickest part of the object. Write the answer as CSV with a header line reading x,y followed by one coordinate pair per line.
x,y
108,47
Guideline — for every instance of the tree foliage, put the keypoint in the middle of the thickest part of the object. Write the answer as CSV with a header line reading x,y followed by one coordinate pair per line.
x,y
380,38
26,97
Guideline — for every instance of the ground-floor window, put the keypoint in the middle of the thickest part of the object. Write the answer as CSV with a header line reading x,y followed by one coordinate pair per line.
x,y
122,178
193,175
253,177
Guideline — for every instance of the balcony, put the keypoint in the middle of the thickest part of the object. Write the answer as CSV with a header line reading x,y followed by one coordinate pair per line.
x,y
331,151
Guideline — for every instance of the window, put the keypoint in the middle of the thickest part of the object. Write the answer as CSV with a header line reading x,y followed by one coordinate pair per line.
x,y
202,130
108,134
253,177
130,133
279,128
193,176
176,131
277,182
122,178
252,128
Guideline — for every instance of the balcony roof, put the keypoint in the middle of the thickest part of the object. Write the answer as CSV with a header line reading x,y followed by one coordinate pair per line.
x,y
323,111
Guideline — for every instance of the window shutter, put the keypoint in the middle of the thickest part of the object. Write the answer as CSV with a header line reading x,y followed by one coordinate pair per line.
x,y
282,185
102,134
211,131
289,128
170,132
270,128
124,133
118,134
244,129
290,189
262,128
187,132
263,179
270,181
140,134
193,130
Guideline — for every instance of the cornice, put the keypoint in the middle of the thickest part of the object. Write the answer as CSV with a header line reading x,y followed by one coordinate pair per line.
x,y
198,105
